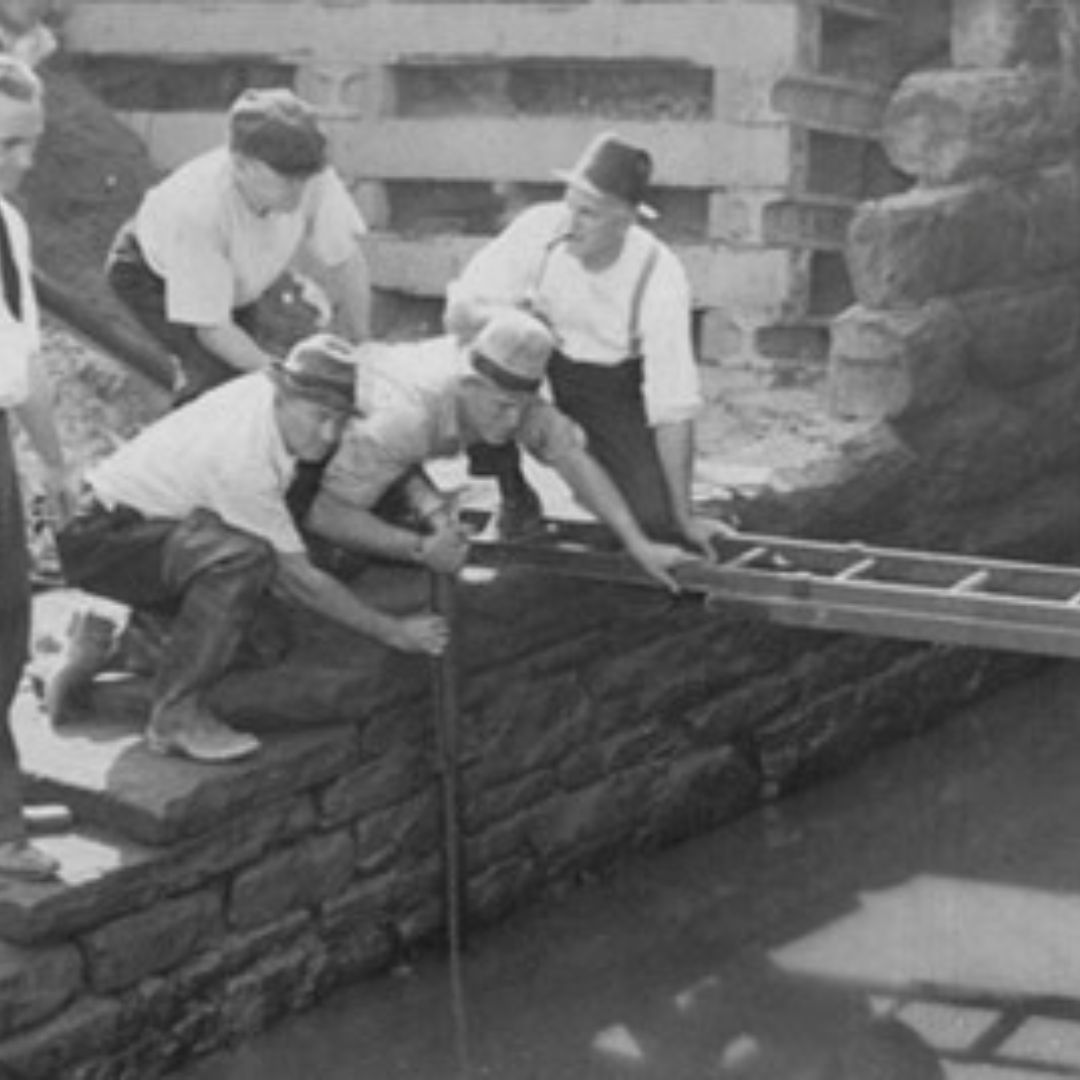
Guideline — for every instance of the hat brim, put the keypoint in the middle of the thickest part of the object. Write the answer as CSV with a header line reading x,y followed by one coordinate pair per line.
x,y
574,179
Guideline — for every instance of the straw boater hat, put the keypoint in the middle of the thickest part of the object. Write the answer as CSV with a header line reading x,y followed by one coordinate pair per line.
x,y
613,168
279,129
321,368
512,351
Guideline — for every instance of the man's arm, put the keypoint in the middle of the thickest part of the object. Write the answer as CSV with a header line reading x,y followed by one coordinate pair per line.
x,y
675,449
305,584
35,415
444,549
349,286
234,346
597,492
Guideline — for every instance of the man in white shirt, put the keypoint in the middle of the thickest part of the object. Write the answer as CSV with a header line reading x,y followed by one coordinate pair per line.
x,y
618,303
212,238
190,518
25,394
422,400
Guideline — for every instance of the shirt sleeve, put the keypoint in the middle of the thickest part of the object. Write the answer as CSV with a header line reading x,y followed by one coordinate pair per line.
x,y
199,283
672,383
367,462
548,434
18,337
504,270
336,223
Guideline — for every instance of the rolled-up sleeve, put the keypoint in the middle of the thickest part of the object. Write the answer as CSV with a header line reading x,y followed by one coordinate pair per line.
x,y
672,383
337,225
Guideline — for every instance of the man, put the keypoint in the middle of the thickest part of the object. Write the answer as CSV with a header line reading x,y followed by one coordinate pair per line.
x,y
618,303
212,238
23,391
435,398
191,516
23,34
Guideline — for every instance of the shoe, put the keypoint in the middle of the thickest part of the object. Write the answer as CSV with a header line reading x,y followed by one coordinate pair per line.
x,y
520,516
200,737
90,646
19,859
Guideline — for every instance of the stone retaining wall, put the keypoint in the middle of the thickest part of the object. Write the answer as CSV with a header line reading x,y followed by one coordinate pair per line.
x,y
198,905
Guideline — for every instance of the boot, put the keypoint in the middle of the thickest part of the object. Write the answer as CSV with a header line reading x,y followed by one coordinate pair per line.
x,y
221,581
90,646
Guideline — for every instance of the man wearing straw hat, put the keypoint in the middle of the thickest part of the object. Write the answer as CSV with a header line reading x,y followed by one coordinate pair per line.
x,y
434,398
618,303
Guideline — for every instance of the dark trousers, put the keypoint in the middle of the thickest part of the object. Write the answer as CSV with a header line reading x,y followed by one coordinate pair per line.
x,y
142,292
14,630
209,574
607,403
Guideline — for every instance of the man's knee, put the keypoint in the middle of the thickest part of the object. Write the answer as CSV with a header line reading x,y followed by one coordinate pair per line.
x,y
202,542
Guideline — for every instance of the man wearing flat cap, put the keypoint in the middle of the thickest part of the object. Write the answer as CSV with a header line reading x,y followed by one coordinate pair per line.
x,y
618,304
434,398
189,519
213,237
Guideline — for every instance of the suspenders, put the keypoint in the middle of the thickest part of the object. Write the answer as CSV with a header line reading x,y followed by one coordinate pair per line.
x,y
633,322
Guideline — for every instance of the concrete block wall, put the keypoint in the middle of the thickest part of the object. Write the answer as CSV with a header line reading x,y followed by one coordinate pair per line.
x,y
763,120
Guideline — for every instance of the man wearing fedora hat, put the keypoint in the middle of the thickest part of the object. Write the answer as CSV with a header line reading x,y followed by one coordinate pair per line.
x,y
212,238
434,398
618,304
190,518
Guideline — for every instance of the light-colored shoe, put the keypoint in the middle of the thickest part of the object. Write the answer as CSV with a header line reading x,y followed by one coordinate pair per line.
x,y
200,737
19,859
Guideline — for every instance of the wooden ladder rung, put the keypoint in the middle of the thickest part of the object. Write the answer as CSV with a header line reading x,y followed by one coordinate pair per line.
x,y
971,583
856,569
745,558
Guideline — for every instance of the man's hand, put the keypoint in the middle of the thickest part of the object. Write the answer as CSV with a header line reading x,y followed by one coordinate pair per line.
x,y
658,560
447,548
61,494
702,532
420,634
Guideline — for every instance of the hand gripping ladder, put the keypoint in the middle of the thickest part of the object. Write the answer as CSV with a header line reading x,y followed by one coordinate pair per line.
x,y
844,587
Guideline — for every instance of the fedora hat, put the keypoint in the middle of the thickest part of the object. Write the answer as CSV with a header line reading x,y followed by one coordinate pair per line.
x,y
612,167
321,368
512,351
279,129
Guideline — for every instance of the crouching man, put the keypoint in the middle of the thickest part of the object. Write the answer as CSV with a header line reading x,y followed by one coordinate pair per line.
x,y
434,399
191,516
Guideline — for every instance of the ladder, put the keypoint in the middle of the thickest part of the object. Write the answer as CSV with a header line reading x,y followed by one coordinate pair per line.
x,y
843,587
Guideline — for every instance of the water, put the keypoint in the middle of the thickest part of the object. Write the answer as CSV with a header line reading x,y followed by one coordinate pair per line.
x,y
915,918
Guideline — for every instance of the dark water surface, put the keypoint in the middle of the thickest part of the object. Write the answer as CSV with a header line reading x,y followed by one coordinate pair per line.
x,y
936,886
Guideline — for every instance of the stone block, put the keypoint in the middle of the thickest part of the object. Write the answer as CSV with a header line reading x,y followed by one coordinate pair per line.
x,y
104,772
50,1050
1005,33
947,126
127,949
35,983
385,781
295,877
907,249
1018,335
406,832
883,364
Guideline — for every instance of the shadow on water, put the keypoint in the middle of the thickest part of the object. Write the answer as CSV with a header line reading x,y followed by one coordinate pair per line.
x,y
917,918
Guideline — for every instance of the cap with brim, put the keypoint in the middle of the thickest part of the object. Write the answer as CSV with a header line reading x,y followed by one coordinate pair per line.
x,y
321,369
279,129
612,168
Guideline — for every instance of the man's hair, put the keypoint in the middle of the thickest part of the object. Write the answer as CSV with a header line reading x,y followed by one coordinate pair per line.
x,y
18,82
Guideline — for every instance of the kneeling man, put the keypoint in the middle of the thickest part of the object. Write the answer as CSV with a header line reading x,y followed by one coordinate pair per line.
x,y
191,517
435,398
